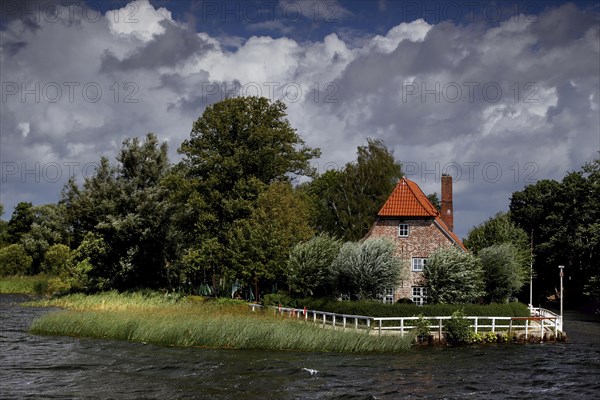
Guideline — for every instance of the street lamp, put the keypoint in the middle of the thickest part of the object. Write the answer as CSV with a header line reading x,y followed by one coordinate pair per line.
x,y
561,267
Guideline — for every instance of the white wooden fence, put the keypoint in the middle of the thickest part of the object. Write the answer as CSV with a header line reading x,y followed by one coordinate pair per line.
x,y
541,321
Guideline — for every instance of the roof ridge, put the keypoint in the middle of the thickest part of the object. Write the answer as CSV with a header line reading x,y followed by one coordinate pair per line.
x,y
432,210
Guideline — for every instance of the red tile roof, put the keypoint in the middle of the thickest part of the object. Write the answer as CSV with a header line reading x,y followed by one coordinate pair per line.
x,y
408,200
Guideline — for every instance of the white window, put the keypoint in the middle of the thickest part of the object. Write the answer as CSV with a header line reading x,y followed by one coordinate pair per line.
x,y
419,295
388,296
418,264
403,230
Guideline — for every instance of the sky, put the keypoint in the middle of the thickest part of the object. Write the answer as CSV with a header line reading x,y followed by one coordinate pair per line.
x,y
497,94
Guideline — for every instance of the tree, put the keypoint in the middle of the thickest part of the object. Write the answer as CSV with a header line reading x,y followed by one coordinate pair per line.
x,y
126,208
260,245
56,259
20,221
14,260
365,270
309,266
563,217
498,230
48,228
237,148
453,277
503,271
4,237
435,200
347,201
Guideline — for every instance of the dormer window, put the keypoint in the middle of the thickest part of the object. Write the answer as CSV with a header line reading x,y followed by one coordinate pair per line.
x,y
403,230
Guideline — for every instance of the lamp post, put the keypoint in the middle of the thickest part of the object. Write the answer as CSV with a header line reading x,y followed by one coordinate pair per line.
x,y
561,267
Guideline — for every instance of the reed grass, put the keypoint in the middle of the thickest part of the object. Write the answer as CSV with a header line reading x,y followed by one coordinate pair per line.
x,y
21,284
158,319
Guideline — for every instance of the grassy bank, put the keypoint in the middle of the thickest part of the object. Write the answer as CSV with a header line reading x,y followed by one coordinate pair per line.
x,y
171,321
35,284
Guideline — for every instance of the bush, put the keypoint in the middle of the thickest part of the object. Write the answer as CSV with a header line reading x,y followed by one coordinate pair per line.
x,y
14,261
309,265
453,277
422,328
458,330
503,271
278,299
364,270
56,259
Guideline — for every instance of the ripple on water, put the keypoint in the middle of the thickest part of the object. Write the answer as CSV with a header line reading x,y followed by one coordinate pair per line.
x,y
58,367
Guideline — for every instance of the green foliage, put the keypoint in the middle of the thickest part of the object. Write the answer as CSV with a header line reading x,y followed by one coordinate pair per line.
x,y
422,327
497,230
126,209
56,259
309,266
20,221
453,276
435,200
238,149
24,284
458,329
260,245
364,270
503,271
14,260
47,229
347,201
563,217
279,299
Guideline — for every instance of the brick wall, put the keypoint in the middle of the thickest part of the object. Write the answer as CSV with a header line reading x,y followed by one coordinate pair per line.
x,y
423,239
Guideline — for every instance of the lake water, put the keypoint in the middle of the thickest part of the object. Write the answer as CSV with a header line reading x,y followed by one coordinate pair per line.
x,y
66,368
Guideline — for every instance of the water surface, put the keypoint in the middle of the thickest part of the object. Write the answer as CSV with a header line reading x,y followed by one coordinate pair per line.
x,y
70,368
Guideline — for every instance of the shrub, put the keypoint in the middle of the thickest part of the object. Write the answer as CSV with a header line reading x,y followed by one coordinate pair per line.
x,y
503,271
457,329
56,259
453,277
364,270
309,265
422,328
278,299
14,260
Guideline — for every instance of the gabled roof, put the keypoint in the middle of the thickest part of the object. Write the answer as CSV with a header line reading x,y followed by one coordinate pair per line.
x,y
408,200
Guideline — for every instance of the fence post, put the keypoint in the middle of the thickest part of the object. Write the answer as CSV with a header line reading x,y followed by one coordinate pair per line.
x,y
526,328
555,328
344,322
542,331
355,324
379,327
476,320
510,327
324,320
440,332
333,321
401,327
493,325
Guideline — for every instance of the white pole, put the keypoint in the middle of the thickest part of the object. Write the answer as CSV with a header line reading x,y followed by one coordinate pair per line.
x,y
531,272
561,267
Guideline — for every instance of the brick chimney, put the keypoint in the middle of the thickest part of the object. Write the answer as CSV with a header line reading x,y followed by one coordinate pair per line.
x,y
447,213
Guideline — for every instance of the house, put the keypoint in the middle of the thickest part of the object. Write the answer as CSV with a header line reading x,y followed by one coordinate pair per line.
x,y
417,229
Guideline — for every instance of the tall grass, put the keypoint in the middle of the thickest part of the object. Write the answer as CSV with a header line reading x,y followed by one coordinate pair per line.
x,y
35,284
158,319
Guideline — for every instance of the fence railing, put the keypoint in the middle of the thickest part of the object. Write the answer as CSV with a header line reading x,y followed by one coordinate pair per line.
x,y
485,323
541,321
324,318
